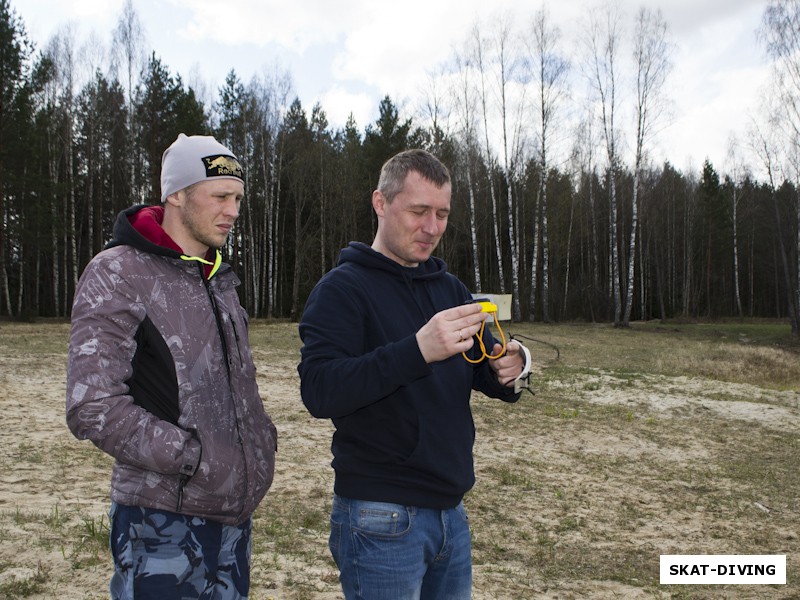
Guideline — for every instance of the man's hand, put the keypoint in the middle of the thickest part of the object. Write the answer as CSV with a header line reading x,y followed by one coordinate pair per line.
x,y
509,366
450,332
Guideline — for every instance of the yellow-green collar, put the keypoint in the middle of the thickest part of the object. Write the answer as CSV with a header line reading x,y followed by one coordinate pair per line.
x,y
214,266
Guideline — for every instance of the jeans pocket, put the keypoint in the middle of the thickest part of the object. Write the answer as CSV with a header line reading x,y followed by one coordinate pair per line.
x,y
380,519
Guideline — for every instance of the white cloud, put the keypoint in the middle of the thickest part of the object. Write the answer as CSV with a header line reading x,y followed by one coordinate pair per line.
x,y
42,18
719,72
340,103
294,25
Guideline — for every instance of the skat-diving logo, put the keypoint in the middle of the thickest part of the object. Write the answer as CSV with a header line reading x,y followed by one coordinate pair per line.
x,y
220,165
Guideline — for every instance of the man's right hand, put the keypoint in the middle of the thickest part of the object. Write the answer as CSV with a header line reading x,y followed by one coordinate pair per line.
x,y
450,332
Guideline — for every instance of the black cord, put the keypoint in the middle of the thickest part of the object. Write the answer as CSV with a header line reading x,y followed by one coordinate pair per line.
x,y
530,339
515,336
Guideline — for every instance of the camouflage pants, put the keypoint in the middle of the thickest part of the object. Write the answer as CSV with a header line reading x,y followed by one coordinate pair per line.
x,y
160,555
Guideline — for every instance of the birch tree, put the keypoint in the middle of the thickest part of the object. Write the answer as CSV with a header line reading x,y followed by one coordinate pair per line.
x,y
466,132
651,56
507,64
603,39
737,175
481,62
271,91
549,70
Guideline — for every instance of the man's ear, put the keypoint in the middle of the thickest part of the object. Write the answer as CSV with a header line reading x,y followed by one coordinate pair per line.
x,y
378,203
176,199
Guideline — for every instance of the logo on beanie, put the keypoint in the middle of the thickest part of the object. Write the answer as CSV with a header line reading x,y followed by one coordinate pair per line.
x,y
220,165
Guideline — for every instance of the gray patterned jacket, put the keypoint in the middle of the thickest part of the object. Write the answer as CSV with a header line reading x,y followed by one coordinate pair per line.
x,y
161,377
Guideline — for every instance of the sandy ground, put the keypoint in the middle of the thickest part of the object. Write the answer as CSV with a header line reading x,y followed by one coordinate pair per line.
x,y
541,496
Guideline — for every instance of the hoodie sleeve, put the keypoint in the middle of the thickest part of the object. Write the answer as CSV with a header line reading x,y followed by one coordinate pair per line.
x,y
337,377
485,380
105,317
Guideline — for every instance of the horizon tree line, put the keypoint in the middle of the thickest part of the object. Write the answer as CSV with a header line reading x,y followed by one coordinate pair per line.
x,y
545,205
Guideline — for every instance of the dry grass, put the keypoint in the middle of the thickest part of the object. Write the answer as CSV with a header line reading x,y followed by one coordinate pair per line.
x,y
664,438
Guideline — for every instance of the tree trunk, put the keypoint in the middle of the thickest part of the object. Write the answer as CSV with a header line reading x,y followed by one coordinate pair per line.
x,y
632,249
613,242
512,233
738,296
3,273
545,256
535,256
473,230
569,254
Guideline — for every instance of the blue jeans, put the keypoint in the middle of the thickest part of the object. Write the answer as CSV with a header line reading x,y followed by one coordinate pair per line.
x,y
392,552
160,554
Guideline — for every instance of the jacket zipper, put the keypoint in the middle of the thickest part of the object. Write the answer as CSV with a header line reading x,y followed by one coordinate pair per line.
x,y
238,342
226,358
220,330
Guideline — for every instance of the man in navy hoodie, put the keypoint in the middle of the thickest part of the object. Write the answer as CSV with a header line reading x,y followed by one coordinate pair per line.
x,y
383,337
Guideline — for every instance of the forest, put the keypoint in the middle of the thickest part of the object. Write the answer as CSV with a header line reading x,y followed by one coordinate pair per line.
x,y
591,233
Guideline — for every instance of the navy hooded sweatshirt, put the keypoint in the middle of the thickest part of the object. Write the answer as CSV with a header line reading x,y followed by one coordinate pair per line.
x,y
404,429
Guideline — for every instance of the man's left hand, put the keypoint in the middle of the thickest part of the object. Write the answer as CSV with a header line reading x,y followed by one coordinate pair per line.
x,y
509,366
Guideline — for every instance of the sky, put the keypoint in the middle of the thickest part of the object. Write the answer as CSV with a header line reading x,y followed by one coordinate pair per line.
x,y
347,55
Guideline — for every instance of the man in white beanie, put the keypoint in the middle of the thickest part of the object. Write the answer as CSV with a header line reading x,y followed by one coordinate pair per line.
x,y
161,377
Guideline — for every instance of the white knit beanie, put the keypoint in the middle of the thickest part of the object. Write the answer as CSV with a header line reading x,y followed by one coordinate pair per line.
x,y
195,158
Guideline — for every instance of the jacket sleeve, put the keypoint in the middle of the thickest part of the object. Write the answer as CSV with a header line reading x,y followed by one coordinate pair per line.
x,y
106,314
338,373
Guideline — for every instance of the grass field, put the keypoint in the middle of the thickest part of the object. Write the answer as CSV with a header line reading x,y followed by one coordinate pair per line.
x,y
665,438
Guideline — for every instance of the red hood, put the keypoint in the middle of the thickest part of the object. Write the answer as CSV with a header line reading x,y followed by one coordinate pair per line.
x,y
147,222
